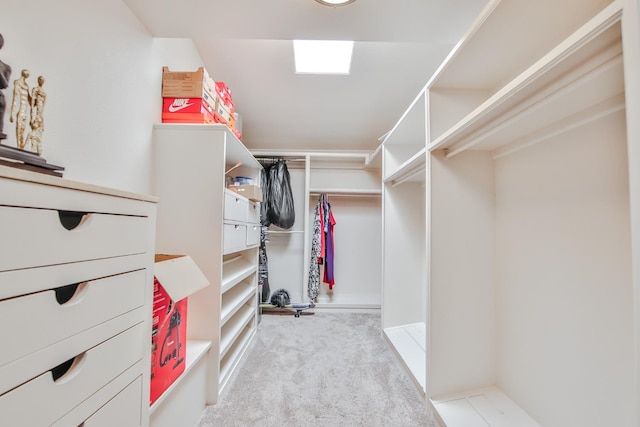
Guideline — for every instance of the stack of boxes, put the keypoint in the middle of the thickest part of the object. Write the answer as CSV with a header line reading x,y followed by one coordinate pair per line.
x,y
193,97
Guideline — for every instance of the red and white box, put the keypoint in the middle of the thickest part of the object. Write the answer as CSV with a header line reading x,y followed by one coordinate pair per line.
x,y
187,110
187,105
223,91
175,278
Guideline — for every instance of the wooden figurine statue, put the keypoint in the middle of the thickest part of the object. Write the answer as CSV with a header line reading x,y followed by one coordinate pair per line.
x,y
20,106
5,75
38,100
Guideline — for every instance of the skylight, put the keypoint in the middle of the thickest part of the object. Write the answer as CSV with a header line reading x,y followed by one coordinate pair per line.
x,y
322,56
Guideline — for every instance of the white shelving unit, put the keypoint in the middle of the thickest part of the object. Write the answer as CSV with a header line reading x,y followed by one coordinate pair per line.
x,y
527,273
352,181
404,313
190,163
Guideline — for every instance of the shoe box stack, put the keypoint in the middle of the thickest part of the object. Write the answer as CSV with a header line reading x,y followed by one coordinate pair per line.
x,y
225,109
194,97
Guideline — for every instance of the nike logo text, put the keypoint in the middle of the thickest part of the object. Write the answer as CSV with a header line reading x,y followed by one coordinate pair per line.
x,y
179,104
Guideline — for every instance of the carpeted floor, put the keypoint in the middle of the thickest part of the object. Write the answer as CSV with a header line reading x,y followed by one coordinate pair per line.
x,y
322,369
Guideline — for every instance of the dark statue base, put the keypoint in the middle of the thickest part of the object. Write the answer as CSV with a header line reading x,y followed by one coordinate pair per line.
x,y
28,160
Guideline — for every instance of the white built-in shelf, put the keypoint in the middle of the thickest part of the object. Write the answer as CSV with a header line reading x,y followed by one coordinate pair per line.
x,y
235,298
234,327
406,140
232,358
314,192
283,232
235,270
195,352
409,343
412,169
486,407
411,128
583,73
491,53
236,151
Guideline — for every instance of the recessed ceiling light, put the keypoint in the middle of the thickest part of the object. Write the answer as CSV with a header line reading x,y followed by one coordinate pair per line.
x,y
322,56
335,3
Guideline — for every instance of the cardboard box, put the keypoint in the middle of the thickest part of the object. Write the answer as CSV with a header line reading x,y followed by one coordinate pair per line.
x,y
175,278
251,192
187,84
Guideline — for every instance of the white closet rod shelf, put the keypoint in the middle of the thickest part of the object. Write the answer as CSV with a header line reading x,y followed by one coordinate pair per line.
x,y
606,108
409,169
582,76
345,192
511,93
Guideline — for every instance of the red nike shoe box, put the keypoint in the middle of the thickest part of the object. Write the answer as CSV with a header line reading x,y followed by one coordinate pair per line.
x,y
187,105
188,118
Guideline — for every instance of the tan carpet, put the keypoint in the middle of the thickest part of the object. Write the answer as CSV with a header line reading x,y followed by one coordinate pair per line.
x,y
322,369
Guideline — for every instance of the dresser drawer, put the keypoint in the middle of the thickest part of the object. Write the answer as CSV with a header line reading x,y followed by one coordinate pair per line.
x,y
236,208
235,238
254,213
253,235
123,410
43,400
46,237
44,318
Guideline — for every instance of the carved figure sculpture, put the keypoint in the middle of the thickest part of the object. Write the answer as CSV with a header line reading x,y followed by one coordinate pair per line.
x,y
38,101
20,107
5,75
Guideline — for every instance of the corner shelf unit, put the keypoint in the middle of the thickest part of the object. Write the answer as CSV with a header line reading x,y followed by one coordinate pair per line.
x,y
352,181
190,161
525,160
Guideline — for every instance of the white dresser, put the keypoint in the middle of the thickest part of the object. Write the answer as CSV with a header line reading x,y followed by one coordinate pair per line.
x,y
76,275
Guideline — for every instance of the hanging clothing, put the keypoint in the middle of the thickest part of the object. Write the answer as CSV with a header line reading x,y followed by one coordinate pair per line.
x,y
313,284
329,252
263,268
322,247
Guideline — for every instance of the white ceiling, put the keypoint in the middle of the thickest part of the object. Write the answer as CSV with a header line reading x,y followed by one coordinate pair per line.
x,y
247,44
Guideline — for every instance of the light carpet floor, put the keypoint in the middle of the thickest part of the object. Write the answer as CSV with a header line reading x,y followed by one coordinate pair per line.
x,y
322,369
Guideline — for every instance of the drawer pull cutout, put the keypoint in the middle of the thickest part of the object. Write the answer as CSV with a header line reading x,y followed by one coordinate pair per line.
x,y
67,369
72,219
65,293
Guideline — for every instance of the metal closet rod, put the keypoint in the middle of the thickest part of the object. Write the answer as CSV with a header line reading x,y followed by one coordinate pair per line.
x,y
275,159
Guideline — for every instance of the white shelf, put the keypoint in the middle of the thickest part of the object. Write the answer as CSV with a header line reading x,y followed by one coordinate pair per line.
x,y
195,352
234,355
345,191
233,328
481,408
235,270
411,170
411,128
234,299
236,151
583,71
409,343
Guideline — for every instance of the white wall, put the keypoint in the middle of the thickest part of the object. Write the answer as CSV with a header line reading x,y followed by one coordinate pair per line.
x,y
103,74
564,305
